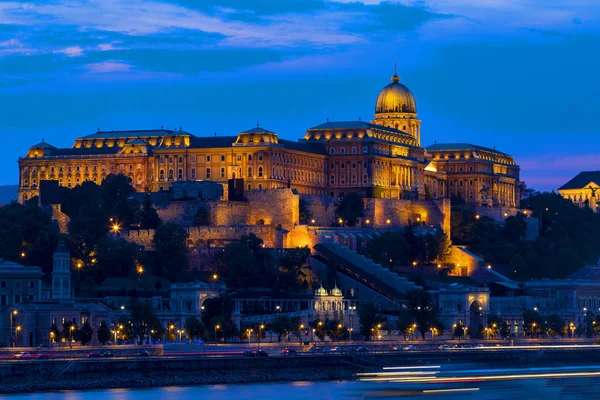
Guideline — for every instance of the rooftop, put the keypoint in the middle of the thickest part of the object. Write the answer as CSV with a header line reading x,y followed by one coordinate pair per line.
x,y
461,146
581,180
355,125
134,134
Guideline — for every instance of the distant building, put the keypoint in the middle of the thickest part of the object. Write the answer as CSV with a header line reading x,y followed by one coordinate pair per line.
x,y
29,310
581,190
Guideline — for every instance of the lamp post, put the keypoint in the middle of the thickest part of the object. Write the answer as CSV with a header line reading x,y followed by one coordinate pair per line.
x,y
572,328
17,330
171,327
249,332
260,328
71,329
217,327
11,316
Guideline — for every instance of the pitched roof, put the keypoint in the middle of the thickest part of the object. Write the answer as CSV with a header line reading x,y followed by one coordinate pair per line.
x,y
257,130
138,141
460,146
355,125
308,147
43,145
203,142
85,151
133,134
582,179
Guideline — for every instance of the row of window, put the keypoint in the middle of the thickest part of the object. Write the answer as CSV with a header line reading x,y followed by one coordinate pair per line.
x,y
342,150
17,284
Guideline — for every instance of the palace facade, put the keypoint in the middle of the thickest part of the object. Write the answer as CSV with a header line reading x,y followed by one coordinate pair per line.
x,y
382,158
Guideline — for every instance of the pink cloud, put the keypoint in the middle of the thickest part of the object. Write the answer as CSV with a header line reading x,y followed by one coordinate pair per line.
x,y
71,51
106,67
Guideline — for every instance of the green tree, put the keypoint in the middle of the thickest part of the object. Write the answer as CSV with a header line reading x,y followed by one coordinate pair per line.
x,y
533,322
555,325
27,235
119,199
498,326
147,215
405,322
246,264
293,270
369,320
515,228
103,333
202,217
390,248
349,208
305,215
194,328
85,333
143,319
171,252
281,325
420,304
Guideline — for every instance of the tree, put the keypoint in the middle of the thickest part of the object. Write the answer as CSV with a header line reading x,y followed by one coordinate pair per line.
x,y
349,208
55,333
85,333
70,331
281,325
147,215
305,215
390,248
217,312
27,235
103,333
291,275
202,217
369,319
143,319
420,305
194,328
119,200
171,252
246,264
405,322
533,322
498,326
555,325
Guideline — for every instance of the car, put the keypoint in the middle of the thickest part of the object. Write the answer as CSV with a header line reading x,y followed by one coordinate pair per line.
x,y
23,355
444,347
255,353
93,354
333,350
289,352
316,349
362,349
141,353
107,354
409,348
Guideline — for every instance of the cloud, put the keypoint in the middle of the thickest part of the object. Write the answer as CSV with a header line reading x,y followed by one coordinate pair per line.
x,y
71,51
105,67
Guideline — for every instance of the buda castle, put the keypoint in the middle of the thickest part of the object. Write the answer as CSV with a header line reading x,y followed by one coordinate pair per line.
x,y
382,158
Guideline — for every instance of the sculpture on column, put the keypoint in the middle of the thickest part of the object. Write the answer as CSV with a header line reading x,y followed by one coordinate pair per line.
x,y
484,196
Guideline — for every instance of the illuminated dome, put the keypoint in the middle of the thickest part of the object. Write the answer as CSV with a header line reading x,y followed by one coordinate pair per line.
x,y
321,291
336,291
395,98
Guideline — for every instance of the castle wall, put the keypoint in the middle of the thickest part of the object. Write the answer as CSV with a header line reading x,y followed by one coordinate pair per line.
x,y
206,236
277,207
321,209
406,212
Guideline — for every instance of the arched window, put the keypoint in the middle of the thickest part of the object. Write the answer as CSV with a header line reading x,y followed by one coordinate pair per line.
x,y
260,186
332,180
170,174
26,182
249,187
161,174
249,172
249,157
180,159
180,174
171,160
260,171
260,157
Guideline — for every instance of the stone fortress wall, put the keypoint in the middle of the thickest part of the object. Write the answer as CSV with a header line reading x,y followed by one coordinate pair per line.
x,y
273,215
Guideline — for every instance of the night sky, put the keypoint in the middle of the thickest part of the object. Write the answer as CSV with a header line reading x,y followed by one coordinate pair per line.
x,y
519,75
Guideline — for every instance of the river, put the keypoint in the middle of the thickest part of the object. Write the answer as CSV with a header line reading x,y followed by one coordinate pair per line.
x,y
543,389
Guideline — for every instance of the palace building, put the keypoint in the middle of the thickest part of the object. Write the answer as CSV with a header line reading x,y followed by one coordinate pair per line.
x,y
581,190
382,158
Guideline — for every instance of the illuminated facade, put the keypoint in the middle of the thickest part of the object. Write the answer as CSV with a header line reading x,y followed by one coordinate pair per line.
x,y
382,158
581,190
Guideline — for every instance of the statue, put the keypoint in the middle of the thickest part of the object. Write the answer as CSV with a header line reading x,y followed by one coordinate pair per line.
x,y
593,189
484,192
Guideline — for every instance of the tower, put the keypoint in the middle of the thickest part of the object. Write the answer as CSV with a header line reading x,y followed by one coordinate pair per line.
x,y
396,108
61,274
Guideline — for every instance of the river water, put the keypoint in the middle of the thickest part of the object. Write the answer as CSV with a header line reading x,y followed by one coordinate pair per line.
x,y
347,390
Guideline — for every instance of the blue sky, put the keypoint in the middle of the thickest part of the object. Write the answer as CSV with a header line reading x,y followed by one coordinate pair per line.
x,y
518,75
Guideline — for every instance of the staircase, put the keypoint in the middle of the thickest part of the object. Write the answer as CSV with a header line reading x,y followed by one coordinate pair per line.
x,y
365,271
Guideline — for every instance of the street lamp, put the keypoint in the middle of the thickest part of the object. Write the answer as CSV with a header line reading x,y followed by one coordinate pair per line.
x,y
115,228
260,328
249,332
217,327
17,330
11,317
572,327
71,329
215,277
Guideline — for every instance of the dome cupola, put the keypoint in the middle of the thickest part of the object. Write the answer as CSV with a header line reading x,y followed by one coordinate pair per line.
x,y
395,98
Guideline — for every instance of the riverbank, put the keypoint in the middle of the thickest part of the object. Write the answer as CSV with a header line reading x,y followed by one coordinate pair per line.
x,y
184,379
